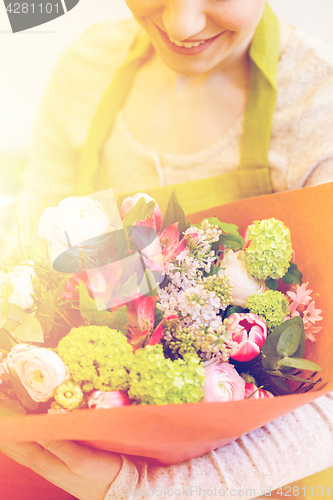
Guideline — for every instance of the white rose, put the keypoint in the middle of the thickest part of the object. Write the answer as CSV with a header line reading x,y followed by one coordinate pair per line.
x,y
41,371
21,280
243,284
75,220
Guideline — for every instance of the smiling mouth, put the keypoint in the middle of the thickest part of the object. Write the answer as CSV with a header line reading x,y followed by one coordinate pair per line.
x,y
188,45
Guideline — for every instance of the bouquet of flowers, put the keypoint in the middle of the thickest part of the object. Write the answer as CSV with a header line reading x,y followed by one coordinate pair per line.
x,y
132,309
155,312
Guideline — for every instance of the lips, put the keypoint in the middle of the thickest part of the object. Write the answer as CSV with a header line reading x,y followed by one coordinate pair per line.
x,y
186,50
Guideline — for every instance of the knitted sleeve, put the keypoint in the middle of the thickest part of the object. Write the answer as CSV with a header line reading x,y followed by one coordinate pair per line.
x,y
283,451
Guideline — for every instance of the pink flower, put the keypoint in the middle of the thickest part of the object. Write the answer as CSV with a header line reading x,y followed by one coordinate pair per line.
x,y
301,305
222,382
103,280
311,330
253,392
163,249
249,333
141,313
155,221
311,314
115,399
302,297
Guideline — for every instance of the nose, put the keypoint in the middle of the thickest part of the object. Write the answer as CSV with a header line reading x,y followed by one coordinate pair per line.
x,y
184,19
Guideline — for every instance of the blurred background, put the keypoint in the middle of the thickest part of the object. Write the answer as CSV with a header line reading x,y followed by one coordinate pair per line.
x,y
27,59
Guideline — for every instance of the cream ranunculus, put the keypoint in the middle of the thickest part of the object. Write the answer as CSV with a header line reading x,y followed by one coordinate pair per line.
x,y
15,354
243,284
75,220
20,280
41,371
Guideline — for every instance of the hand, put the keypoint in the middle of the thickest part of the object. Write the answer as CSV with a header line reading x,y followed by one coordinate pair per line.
x,y
84,472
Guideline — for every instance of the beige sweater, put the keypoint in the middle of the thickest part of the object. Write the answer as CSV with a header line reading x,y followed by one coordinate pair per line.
x,y
301,147
283,451
301,153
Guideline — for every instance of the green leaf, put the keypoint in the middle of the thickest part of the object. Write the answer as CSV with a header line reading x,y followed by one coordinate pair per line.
x,y
224,226
30,330
8,290
6,340
21,391
233,309
279,385
269,349
233,241
174,213
158,316
293,275
90,312
148,279
150,208
230,237
138,212
300,363
11,408
277,373
271,284
15,316
128,288
290,338
118,320
45,313
88,306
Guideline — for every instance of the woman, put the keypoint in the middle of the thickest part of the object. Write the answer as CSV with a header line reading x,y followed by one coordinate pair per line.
x,y
217,90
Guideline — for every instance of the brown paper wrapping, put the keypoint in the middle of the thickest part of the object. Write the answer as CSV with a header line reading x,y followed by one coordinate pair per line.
x,y
173,433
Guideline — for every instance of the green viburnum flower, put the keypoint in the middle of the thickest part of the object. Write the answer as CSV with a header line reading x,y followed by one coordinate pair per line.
x,y
221,286
97,358
271,306
157,380
69,395
270,250
203,340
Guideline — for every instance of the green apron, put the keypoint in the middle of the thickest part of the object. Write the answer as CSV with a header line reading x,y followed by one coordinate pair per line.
x,y
252,178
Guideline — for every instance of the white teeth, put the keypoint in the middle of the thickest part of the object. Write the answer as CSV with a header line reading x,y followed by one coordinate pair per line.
x,y
188,45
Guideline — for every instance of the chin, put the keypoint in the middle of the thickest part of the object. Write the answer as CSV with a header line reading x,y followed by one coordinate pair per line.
x,y
185,66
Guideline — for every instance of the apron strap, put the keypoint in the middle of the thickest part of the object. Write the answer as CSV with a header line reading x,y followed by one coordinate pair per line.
x,y
252,178
106,112
264,53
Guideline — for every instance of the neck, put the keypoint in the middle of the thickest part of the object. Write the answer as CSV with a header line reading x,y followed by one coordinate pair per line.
x,y
234,69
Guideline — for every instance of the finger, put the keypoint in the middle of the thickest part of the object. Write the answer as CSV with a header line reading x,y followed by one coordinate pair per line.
x,y
74,455
20,452
34,457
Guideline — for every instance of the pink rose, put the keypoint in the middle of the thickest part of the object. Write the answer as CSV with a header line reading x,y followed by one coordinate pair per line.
x,y
222,382
258,393
249,333
99,400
